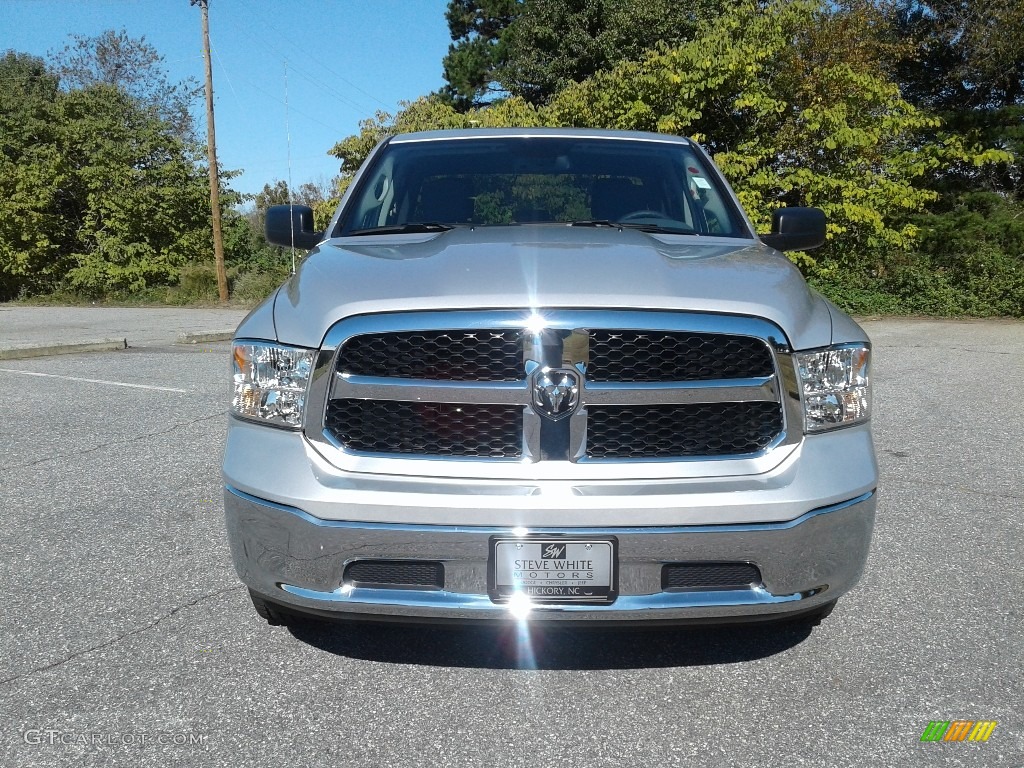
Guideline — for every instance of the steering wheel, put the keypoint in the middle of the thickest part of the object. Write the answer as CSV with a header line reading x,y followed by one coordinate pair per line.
x,y
643,214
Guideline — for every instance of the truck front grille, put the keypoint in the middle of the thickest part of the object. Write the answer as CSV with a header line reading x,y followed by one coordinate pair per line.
x,y
581,386
473,355
709,576
669,431
427,429
497,355
675,356
410,574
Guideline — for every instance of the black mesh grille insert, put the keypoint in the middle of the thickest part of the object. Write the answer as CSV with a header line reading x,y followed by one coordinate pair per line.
x,y
670,431
675,356
396,573
709,575
434,429
480,355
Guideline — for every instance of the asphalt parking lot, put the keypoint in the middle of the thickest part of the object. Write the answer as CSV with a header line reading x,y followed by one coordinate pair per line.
x,y
127,639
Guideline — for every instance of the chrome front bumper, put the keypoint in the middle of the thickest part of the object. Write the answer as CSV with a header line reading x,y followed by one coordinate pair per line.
x,y
298,560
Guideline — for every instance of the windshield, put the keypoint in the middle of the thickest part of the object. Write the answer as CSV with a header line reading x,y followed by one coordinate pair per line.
x,y
433,185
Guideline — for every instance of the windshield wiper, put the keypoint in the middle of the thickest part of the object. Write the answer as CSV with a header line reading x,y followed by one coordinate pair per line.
x,y
402,229
593,223
658,229
655,228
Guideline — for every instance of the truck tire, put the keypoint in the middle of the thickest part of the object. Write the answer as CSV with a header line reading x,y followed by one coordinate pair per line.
x,y
815,617
268,611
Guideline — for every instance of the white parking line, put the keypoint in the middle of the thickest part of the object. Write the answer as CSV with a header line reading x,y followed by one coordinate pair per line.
x,y
94,381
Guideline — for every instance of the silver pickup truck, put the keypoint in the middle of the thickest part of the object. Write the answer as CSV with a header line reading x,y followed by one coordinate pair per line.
x,y
540,375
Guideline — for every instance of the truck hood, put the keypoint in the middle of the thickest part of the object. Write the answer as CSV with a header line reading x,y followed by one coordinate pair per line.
x,y
524,267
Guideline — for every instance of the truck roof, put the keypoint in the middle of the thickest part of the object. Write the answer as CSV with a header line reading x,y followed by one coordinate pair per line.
x,y
579,133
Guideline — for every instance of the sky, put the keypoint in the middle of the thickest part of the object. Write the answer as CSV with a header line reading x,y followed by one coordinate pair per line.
x,y
346,59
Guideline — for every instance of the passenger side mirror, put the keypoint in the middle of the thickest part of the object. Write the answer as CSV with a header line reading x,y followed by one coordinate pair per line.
x,y
796,229
284,220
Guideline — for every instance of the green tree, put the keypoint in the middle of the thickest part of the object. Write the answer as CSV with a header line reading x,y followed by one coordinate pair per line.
x,y
796,111
534,48
98,192
271,194
796,101
790,97
967,54
965,61
133,65
553,43
34,228
308,193
140,193
477,29
321,195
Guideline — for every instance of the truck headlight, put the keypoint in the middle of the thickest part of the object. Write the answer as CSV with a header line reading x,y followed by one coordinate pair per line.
x,y
270,382
834,386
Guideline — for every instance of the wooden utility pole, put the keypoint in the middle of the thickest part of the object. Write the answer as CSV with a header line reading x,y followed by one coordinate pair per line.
x,y
211,145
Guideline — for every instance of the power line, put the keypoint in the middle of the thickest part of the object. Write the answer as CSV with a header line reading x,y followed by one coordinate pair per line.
x,y
227,77
308,117
253,85
263,42
310,56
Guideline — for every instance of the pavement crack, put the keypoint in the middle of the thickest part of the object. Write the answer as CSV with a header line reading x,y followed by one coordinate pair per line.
x,y
978,491
155,433
984,351
122,636
976,350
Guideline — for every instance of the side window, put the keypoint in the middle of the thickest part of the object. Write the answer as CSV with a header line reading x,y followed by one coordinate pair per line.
x,y
377,199
713,217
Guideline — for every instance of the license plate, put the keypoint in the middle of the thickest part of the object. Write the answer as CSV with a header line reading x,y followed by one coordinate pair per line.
x,y
577,570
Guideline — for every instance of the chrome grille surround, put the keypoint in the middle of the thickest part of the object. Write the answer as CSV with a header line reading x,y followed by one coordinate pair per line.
x,y
553,340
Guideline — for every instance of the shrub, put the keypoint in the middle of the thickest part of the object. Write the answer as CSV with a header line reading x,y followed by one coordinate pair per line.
x,y
196,284
253,286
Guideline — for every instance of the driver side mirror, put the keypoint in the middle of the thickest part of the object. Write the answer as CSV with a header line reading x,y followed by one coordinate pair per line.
x,y
796,229
285,220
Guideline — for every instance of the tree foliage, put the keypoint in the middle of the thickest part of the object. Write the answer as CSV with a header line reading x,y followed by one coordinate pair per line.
x,y
965,62
98,191
33,227
977,242
901,118
534,48
795,110
966,53
477,29
142,196
135,67
799,102
553,43
789,98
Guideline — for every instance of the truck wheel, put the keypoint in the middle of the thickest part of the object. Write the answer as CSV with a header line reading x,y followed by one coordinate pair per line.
x,y
270,613
815,617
